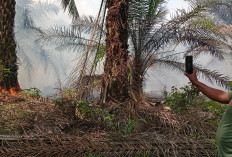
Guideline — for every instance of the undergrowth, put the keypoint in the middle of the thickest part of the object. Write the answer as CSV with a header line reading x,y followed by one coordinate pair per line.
x,y
129,120
180,99
186,98
31,92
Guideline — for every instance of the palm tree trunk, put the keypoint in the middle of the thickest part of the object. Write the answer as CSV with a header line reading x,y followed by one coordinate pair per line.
x,y
116,82
137,78
8,57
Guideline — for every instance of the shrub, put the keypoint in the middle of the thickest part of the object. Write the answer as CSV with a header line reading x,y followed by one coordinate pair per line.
x,y
87,109
33,92
179,100
216,108
130,126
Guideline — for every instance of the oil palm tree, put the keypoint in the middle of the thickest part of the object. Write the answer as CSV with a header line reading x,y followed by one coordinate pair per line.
x,y
143,16
7,43
150,34
116,84
8,57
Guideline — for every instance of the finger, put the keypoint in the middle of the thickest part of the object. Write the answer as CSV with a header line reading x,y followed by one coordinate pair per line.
x,y
194,70
186,74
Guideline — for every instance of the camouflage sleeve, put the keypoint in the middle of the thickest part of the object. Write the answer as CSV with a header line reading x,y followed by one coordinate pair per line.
x,y
230,95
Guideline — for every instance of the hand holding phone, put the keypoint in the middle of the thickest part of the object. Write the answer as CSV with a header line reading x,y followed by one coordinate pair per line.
x,y
189,64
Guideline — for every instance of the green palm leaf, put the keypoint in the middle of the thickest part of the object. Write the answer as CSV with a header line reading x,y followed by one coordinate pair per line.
x,y
71,6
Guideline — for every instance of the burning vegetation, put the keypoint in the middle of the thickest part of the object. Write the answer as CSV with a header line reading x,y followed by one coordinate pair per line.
x,y
11,91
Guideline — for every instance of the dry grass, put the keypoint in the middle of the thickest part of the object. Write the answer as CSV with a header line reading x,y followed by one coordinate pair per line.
x,y
37,127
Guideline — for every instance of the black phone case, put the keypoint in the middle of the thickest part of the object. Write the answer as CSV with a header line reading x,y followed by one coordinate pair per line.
x,y
189,64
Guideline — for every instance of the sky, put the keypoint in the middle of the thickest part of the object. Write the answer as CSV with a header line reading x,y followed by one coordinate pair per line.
x,y
90,7
154,80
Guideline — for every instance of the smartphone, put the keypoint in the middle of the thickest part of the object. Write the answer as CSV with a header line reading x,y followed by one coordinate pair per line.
x,y
189,64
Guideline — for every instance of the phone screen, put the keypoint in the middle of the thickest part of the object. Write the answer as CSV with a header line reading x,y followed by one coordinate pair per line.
x,y
189,64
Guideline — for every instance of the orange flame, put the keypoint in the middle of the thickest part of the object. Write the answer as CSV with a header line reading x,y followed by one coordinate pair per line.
x,y
12,91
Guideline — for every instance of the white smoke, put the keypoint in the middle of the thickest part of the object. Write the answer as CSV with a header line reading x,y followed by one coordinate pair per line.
x,y
34,73
39,66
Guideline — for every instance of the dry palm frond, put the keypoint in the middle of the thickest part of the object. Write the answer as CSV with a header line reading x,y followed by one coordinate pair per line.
x,y
160,133
86,66
138,144
84,38
26,115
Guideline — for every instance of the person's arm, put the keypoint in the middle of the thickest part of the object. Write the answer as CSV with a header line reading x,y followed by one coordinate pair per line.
x,y
212,93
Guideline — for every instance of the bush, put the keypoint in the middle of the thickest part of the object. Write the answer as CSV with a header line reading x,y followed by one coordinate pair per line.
x,y
130,126
216,108
180,99
87,109
32,92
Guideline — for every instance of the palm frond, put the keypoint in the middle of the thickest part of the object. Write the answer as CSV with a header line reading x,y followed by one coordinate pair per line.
x,y
87,24
153,7
83,37
42,10
43,55
211,76
223,12
25,2
71,6
66,39
198,9
195,29
141,25
86,65
27,20
185,28
27,12
26,62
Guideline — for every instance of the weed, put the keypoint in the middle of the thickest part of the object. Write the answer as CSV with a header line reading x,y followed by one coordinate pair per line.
x,y
179,100
5,132
130,126
84,108
216,108
87,109
14,111
59,101
32,92
230,84
66,102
